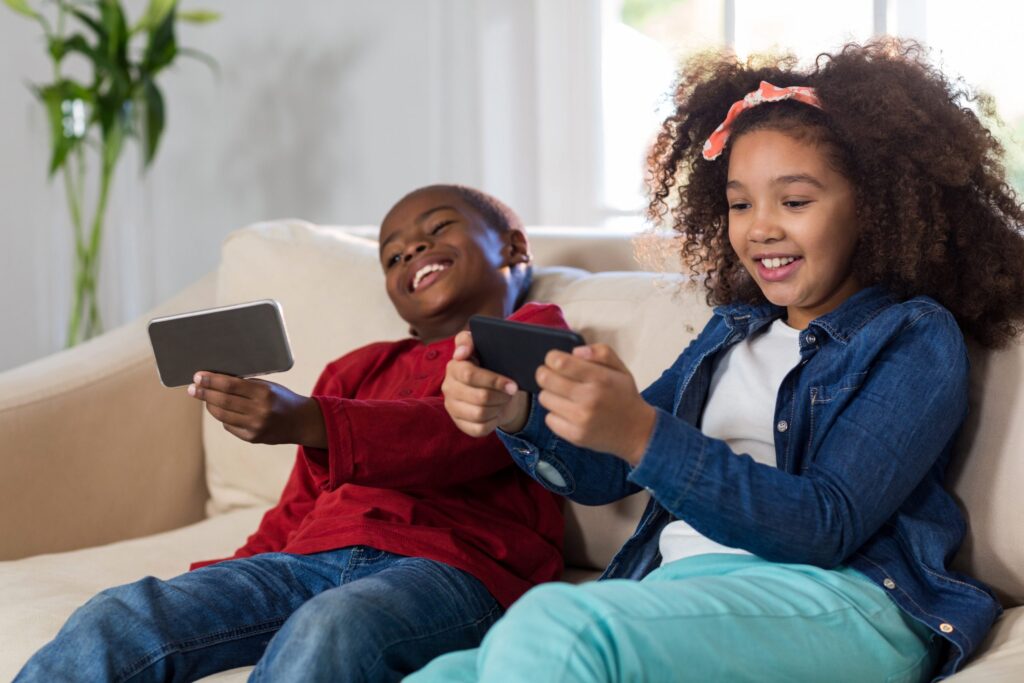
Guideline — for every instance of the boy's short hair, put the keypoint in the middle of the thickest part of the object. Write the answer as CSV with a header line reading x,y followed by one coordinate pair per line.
x,y
497,214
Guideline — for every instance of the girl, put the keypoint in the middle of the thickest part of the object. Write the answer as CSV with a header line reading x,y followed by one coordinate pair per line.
x,y
852,221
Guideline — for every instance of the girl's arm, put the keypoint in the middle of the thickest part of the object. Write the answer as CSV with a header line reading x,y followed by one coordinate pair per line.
x,y
582,474
877,450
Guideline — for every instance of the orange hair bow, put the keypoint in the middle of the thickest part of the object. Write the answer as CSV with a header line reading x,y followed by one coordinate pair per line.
x,y
766,92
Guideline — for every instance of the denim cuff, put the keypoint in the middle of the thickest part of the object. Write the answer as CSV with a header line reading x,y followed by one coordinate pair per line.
x,y
672,462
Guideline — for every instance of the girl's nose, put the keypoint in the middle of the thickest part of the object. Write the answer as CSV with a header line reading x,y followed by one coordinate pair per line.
x,y
765,228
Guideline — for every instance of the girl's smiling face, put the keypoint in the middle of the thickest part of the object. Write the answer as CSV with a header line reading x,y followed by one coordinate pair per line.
x,y
792,222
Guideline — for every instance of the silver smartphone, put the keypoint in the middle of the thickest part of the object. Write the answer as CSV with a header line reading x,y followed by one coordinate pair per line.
x,y
243,340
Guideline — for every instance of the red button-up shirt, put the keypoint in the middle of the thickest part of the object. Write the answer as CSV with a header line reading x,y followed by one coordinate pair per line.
x,y
398,476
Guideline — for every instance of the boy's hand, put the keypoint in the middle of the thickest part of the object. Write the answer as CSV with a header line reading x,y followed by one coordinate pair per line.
x,y
258,411
479,400
593,402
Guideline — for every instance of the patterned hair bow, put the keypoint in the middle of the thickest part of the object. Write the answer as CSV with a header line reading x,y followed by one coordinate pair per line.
x,y
766,92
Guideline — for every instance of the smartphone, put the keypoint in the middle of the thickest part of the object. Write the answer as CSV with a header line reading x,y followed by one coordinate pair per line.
x,y
515,349
243,340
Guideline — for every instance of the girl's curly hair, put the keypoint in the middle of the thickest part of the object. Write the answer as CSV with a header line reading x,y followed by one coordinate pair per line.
x,y
937,216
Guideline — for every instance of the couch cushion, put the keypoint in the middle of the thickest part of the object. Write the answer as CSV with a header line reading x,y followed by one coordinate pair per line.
x,y
989,469
38,594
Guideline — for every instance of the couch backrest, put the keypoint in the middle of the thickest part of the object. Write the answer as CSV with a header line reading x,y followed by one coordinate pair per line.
x,y
331,290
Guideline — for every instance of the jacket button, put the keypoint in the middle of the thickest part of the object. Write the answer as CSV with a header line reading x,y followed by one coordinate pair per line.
x,y
782,426
946,628
432,354
889,583
811,339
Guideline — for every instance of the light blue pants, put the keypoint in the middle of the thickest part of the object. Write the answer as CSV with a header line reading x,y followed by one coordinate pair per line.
x,y
706,618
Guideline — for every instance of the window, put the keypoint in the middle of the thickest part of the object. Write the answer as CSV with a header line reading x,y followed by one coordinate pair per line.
x,y
644,40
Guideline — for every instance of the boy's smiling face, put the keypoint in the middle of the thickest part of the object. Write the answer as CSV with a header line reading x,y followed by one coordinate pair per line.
x,y
443,263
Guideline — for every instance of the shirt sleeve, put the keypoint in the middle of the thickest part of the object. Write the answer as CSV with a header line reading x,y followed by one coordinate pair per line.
x,y
580,474
403,443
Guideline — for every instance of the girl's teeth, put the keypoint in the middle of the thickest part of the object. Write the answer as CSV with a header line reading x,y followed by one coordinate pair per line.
x,y
773,263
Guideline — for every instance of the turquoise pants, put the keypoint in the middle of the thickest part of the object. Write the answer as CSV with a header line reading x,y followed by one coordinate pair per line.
x,y
705,618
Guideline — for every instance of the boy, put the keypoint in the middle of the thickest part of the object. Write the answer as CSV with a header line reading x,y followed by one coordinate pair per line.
x,y
397,538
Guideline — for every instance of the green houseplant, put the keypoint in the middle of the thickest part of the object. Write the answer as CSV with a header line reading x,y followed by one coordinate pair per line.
x,y
89,121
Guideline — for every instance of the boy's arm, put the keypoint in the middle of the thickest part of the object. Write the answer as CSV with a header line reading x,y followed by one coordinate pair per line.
x,y
398,444
402,444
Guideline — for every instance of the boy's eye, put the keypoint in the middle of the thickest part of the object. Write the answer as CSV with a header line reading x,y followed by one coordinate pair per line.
x,y
796,203
441,226
738,206
392,260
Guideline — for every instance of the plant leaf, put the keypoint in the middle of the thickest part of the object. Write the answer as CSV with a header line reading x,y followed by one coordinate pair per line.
x,y
162,46
112,19
199,16
202,57
155,13
101,33
59,47
58,98
22,7
154,126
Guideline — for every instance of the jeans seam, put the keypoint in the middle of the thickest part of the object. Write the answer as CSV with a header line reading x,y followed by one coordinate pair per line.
x,y
163,651
496,609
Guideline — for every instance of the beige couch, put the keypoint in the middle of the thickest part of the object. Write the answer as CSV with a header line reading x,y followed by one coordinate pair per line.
x,y
106,476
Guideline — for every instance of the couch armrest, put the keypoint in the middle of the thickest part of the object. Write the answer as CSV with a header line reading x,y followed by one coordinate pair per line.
x,y
93,449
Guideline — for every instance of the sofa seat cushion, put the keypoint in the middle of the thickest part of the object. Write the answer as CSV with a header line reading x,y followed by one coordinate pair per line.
x,y
1000,657
39,593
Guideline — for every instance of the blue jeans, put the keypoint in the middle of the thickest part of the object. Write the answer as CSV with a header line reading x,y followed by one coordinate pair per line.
x,y
354,614
717,617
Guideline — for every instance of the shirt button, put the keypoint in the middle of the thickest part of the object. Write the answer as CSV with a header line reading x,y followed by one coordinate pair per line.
x,y
405,392
432,354
782,426
946,628
811,339
889,583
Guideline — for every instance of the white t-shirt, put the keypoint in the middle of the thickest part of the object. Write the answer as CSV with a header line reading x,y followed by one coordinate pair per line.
x,y
740,410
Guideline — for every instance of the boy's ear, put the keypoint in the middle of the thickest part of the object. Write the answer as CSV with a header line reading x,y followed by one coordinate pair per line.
x,y
518,247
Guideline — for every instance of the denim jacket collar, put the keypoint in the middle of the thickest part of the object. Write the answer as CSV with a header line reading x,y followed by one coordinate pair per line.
x,y
840,324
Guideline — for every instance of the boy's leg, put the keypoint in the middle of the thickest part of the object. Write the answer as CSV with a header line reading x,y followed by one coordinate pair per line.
x,y
392,615
208,620
715,617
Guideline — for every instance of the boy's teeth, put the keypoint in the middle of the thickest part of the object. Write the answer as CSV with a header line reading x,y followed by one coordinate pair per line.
x,y
773,263
425,271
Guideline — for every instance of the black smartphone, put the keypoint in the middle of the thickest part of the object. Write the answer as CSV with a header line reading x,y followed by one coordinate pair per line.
x,y
243,340
515,349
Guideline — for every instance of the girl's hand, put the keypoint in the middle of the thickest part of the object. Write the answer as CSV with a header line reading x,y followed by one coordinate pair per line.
x,y
258,411
593,402
479,400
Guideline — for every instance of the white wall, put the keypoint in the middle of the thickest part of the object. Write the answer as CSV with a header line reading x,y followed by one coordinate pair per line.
x,y
327,111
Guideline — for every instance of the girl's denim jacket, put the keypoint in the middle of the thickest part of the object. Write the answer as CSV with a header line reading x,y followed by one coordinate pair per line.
x,y
864,428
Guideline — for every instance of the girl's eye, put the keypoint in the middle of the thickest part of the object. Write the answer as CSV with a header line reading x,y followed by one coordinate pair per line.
x,y
796,203
739,206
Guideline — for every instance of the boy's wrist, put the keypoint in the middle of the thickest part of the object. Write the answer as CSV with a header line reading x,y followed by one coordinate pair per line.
x,y
520,406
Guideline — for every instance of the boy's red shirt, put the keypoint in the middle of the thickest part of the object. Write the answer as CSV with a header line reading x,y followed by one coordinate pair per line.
x,y
399,476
